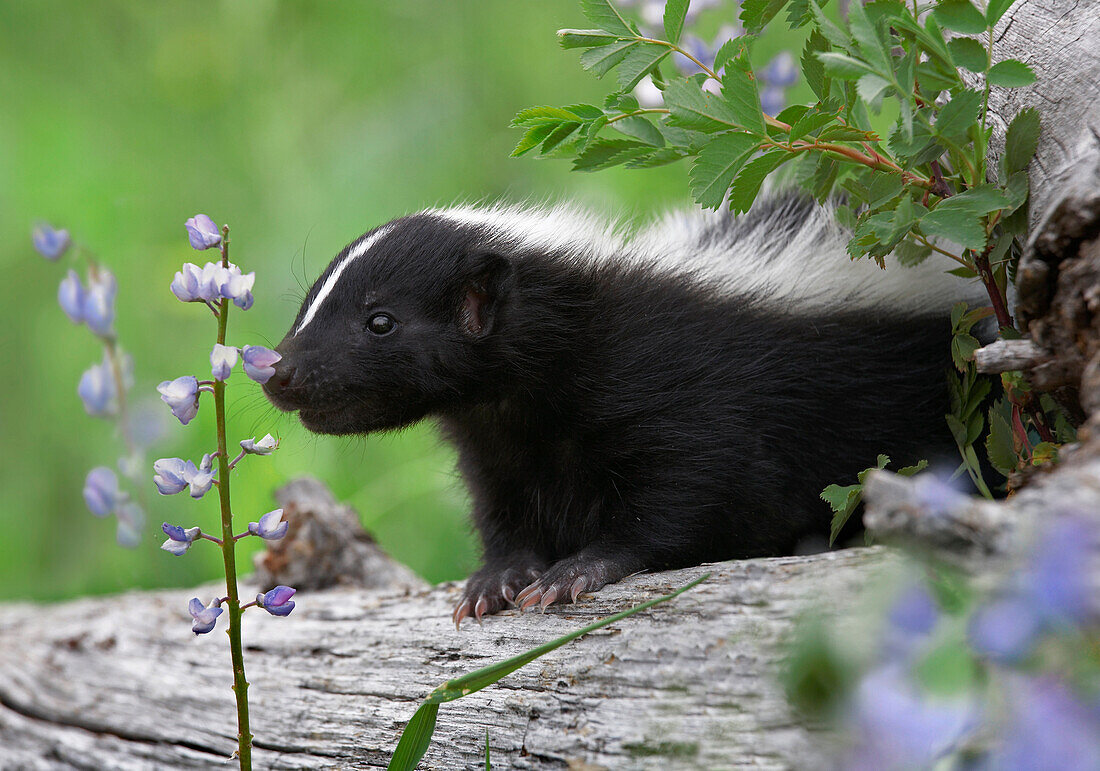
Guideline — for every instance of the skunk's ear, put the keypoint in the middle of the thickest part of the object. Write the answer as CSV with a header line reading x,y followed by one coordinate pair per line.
x,y
482,291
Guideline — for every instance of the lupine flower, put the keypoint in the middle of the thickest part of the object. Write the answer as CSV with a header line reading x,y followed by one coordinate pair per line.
x,y
97,389
277,602
222,360
271,526
186,283
782,70
206,616
171,475
182,396
202,478
179,539
1058,577
1050,728
265,446
50,243
101,492
914,611
1005,630
131,519
237,287
99,303
70,296
772,100
259,362
202,232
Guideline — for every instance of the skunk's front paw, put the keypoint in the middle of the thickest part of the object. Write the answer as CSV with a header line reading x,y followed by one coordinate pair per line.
x,y
494,587
566,579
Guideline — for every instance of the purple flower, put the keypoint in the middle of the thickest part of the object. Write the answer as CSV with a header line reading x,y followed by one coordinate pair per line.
x,y
186,283
1005,630
131,519
202,478
1058,576
259,362
202,232
1050,728
773,100
914,611
277,602
265,446
99,303
205,615
70,296
97,389
271,527
171,475
237,287
782,70
182,396
222,360
48,242
101,493
936,496
179,539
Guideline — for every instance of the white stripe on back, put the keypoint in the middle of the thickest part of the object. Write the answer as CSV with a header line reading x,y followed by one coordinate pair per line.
x,y
358,250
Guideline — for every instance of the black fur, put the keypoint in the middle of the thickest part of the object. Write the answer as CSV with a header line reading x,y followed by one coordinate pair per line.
x,y
611,418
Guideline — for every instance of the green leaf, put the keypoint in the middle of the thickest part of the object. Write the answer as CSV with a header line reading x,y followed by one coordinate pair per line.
x,y
968,53
963,272
995,9
916,468
884,187
948,670
584,38
717,164
828,28
638,62
1021,140
534,137
841,134
798,13
415,739
961,226
728,51
605,153
558,135
746,185
870,89
693,108
960,16
755,14
843,66
871,41
958,115
1011,73
739,92
962,350
602,59
911,254
812,68
539,115
603,14
811,120
675,11
641,129
999,445
585,111
659,157
935,77
843,501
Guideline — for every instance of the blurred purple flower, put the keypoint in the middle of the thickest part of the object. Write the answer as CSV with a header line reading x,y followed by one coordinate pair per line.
x,y
186,283
179,539
1059,577
265,446
259,362
48,242
222,360
101,493
271,526
182,397
1005,630
773,100
97,389
70,296
99,303
131,520
171,475
277,602
936,496
782,70
206,616
1050,728
914,611
202,232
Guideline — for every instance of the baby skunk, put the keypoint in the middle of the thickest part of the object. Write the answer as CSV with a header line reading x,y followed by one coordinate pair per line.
x,y
624,403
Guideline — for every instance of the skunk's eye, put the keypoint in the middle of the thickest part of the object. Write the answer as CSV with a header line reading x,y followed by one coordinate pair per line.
x,y
381,324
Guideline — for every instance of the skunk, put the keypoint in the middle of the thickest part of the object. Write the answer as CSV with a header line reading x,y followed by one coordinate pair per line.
x,y
627,401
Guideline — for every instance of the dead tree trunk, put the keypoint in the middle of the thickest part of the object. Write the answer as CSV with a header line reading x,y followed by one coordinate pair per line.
x,y
122,683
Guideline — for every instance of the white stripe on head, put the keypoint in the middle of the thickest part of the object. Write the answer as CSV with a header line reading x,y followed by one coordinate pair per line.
x,y
358,250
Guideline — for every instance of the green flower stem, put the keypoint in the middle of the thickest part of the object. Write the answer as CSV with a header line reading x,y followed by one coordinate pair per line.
x,y
233,603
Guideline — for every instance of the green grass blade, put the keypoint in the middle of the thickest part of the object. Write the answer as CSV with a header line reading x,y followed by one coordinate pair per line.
x,y
415,739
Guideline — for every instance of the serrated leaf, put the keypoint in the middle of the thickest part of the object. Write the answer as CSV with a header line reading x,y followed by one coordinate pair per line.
x,y
870,89
968,53
746,185
584,111
1011,73
728,51
960,226
867,36
688,139
999,444
841,134
798,13
962,350
605,153
675,12
584,38
538,115
824,178
533,137
910,254
843,501
717,164
829,29
660,157
810,121
916,468
962,272
739,92
884,187
641,129
812,68
960,16
1016,190
560,134
980,199
602,59
843,66
1021,140
603,14
621,102
639,61
995,9
755,14
691,107
935,77
958,115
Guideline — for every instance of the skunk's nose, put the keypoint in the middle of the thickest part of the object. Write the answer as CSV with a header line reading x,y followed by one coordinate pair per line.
x,y
282,379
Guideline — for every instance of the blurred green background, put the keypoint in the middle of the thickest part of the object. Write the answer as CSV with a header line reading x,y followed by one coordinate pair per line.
x,y
301,124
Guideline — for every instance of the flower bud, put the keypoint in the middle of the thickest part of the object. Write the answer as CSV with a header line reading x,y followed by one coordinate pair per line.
x,y
182,397
259,362
271,526
185,285
171,475
97,390
200,479
265,446
202,232
70,296
101,493
99,303
179,539
222,360
277,602
50,243
206,616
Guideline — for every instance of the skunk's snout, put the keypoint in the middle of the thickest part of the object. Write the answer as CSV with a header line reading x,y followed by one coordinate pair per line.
x,y
285,389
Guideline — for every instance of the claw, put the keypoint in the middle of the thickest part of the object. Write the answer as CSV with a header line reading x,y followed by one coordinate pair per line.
x,y
461,612
480,608
548,597
529,596
577,587
507,592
